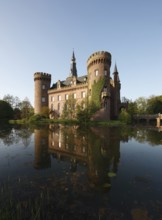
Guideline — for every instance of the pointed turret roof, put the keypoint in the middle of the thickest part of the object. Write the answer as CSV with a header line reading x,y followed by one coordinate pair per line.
x,y
73,70
115,69
116,74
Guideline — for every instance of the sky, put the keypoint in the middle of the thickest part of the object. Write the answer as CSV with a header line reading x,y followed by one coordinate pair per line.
x,y
40,36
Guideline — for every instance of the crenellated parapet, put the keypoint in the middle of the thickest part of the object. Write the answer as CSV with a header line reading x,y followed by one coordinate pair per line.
x,y
99,58
42,76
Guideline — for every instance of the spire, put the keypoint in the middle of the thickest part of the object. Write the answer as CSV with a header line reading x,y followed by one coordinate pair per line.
x,y
115,69
73,70
116,75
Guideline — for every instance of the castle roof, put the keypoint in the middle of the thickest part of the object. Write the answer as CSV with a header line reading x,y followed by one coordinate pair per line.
x,y
115,69
69,81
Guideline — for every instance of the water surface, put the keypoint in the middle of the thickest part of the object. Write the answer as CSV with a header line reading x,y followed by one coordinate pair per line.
x,y
65,172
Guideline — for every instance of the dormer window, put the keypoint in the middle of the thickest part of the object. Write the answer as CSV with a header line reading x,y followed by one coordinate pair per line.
x,y
58,84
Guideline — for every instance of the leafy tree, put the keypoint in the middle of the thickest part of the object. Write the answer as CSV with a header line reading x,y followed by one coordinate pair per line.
x,y
124,116
154,105
141,103
17,113
26,109
6,111
69,109
83,115
13,101
132,108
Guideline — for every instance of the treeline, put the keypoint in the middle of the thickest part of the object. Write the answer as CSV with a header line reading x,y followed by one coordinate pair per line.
x,y
13,108
142,105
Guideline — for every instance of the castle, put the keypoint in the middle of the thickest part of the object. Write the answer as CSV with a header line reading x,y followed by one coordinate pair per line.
x,y
97,84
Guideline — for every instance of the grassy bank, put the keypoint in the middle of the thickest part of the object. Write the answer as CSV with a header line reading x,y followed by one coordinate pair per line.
x,y
68,122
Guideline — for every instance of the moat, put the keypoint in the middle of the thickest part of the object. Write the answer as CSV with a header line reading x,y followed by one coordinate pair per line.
x,y
65,172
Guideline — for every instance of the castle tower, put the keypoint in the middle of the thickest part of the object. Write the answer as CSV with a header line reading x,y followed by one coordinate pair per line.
x,y
41,156
98,68
117,87
42,83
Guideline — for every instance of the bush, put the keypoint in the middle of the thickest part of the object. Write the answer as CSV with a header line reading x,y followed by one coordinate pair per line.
x,y
36,118
125,117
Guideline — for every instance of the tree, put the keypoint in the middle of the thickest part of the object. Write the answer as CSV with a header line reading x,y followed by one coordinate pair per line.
x,y
132,108
124,116
155,104
141,103
13,101
69,109
6,111
83,115
26,109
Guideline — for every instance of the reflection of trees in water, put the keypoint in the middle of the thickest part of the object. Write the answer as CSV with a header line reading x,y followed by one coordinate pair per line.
x,y
149,135
14,135
23,135
144,134
104,154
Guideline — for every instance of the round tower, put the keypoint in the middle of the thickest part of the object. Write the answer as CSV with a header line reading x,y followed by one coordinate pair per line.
x,y
98,66
42,83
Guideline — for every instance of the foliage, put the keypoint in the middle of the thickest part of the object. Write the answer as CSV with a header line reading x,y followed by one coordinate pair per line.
x,y
83,115
69,109
26,109
132,109
22,109
13,101
141,103
151,105
96,93
124,116
36,118
53,114
6,111
85,110
154,105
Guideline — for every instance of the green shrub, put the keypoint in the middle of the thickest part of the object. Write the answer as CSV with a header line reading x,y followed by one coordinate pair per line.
x,y
124,116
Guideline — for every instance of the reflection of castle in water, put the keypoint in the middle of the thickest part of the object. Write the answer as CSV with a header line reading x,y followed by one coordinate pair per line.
x,y
98,149
42,157
67,143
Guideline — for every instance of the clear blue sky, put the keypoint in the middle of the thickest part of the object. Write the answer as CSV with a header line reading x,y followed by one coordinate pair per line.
x,y
39,35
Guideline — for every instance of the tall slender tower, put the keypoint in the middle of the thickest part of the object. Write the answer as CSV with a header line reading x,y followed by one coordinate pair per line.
x,y
117,87
42,83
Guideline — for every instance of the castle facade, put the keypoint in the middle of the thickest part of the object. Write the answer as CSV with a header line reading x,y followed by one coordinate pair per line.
x,y
97,86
